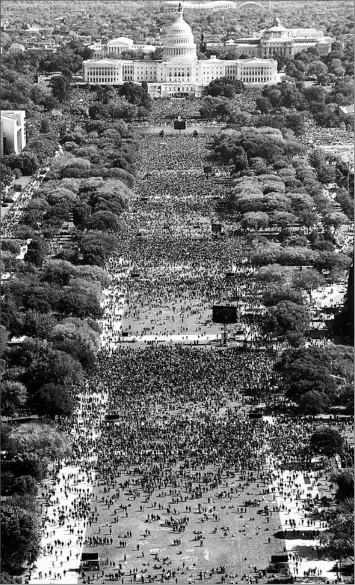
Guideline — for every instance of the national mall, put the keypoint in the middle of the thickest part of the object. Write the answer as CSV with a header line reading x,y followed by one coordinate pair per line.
x,y
180,72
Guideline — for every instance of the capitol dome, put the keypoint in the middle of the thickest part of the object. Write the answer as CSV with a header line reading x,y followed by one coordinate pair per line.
x,y
179,43
276,30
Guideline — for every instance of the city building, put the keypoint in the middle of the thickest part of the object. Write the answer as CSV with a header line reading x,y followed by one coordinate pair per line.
x,y
44,80
278,40
180,73
121,45
213,6
346,112
4,24
12,131
16,48
41,45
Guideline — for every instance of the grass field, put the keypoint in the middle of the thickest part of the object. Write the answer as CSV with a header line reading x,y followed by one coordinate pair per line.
x,y
238,540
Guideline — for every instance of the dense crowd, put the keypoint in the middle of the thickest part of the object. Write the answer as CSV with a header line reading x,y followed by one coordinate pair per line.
x,y
177,458
186,485
164,111
167,242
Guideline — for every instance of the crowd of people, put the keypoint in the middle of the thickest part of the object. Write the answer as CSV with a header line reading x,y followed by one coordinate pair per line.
x,y
186,486
180,265
164,111
170,478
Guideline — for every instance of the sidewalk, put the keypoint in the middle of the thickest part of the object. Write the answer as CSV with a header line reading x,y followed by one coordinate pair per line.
x,y
302,553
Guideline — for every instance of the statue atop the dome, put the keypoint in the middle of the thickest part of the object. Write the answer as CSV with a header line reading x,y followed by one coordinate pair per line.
x,y
180,9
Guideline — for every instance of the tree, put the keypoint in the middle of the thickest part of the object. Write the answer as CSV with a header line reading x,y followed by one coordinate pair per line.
x,y
275,294
38,324
23,485
42,439
217,107
60,87
275,97
12,246
135,94
274,201
295,121
337,541
53,400
13,397
272,273
345,483
335,219
240,159
94,273
81,214
255,220
24,232
28,464
346,203
106,93
327,441
258,165
77,302
344,322
43,147
21,536
296,256
295,68
27,162
41,299
315,93
9,579
95,248
265,254
286,317
11,317
335,263
103,221
282,219
45,126
58,272
308,218
337,68
6,176
36,252
313,403
224,87
308,280
97,110
4,337
76,337
263,104
301,202
120,109
50,103
53,366
318,68
306,370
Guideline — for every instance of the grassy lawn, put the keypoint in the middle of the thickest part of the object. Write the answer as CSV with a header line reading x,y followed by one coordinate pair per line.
x,y
237,539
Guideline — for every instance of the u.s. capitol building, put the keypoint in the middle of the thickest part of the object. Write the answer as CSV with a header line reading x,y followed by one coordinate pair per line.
x,y
180,72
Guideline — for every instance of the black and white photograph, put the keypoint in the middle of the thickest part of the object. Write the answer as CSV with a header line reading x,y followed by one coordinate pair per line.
x,y
177,292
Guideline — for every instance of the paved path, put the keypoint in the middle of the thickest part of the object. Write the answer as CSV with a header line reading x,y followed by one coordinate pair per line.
x,y
293,498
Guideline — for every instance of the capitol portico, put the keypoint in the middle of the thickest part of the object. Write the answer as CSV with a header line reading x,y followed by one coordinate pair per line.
x,y
180,72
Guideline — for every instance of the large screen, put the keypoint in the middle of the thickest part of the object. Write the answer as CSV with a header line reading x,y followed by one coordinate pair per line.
x,y
179,124
223,314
